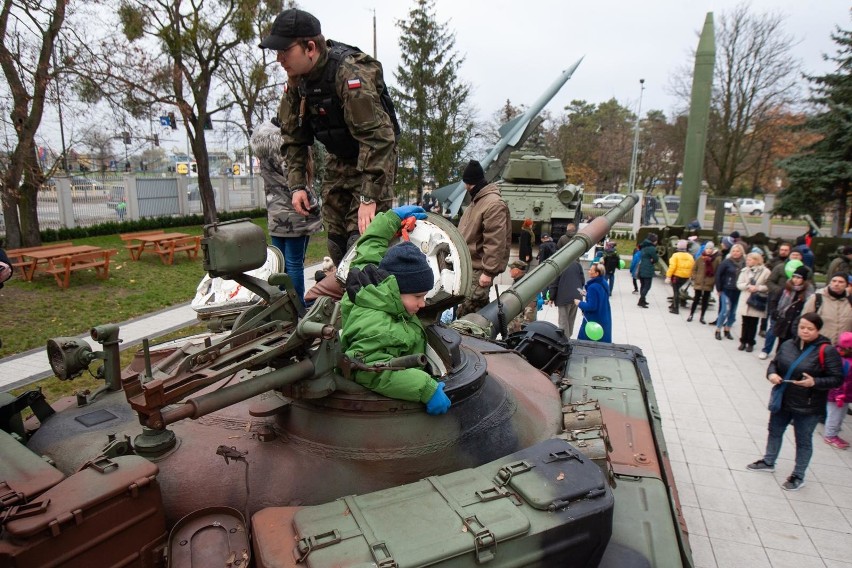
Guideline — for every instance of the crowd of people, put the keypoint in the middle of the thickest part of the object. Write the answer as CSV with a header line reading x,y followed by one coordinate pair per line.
x,y
810,331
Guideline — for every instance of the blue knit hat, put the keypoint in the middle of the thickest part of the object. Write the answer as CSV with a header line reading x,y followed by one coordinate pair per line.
x,y
408,264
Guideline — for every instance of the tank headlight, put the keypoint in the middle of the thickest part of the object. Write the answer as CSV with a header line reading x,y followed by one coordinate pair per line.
x,y
565,196
69,356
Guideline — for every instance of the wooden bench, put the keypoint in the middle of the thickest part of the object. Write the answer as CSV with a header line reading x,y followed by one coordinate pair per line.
x,y
64,266
17,255
191,245
136,248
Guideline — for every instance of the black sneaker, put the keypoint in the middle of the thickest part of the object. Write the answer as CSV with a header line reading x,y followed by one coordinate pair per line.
x,y
793,483
760,465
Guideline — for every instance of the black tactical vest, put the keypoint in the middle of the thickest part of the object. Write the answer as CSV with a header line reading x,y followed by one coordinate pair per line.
x,y
325,110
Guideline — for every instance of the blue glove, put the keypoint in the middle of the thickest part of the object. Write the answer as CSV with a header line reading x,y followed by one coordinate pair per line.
x,y
439,403
410,211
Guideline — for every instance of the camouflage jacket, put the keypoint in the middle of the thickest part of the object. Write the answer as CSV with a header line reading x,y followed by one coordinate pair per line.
x,y
358,83
487,229
283,220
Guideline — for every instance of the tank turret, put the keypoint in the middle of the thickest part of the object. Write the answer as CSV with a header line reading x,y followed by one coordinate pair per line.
x,y
534,188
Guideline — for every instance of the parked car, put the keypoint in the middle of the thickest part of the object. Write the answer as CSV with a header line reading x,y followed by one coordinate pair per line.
x,y
672,203
608,201
750,206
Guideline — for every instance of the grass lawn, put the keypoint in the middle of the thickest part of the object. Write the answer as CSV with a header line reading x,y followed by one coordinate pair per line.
x,y
38,310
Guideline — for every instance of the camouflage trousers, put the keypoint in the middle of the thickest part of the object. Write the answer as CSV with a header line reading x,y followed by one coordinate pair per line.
x,y
341,192
528,315
477,299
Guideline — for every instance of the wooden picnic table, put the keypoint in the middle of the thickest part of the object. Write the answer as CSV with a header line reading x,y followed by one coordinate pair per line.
x,y
165,245
46,259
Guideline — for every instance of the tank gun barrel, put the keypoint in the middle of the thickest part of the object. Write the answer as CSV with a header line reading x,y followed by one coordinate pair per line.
x,y
527,288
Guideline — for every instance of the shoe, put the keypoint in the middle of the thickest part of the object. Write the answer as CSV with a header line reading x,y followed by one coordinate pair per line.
x,y
741,347
689,318
711,323
762,333
728,335
718,335
763,355
635,291
837,442
793,483
749,348
702,320
760,465
673,311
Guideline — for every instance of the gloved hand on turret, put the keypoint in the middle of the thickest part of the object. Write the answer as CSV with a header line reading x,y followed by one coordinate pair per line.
x,y
439,403
410,211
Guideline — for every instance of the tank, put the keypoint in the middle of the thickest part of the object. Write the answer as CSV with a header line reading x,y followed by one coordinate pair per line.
x,y
534,188
252,447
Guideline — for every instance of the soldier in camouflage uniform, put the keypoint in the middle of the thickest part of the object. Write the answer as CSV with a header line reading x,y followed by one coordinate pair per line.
x,y
290,231
487,229
335,94
517,270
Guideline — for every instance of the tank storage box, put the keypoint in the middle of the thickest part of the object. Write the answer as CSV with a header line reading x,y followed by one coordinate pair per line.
x,y
110,513
546,503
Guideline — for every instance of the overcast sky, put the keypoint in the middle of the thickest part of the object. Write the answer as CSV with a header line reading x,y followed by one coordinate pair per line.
x,y
515,48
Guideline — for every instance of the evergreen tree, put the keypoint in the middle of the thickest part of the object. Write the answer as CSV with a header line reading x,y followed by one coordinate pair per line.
x,y
431,102
821,173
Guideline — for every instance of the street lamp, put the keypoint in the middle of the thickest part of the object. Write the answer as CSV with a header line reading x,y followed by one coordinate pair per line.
x,y
631,184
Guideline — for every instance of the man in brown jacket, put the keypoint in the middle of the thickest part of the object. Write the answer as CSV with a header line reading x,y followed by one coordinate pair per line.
x,y
834,306
487,228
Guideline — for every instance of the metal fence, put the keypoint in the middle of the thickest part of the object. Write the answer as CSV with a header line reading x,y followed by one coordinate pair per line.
x,y
77,201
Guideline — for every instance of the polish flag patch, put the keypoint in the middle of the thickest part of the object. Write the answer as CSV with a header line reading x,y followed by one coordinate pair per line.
x,y
354,83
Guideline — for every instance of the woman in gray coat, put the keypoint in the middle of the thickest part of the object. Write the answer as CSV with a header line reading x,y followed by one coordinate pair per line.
x,y
290,231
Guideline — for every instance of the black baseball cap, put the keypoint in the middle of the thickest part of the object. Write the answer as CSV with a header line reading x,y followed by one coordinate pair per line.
x,y
289,26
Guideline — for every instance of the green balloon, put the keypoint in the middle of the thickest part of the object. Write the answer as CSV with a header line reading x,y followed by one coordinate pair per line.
x,y
791,267
621,263
594,330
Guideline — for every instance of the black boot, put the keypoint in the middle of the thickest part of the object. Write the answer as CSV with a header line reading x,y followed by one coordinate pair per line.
x,y
741,347
690,316
728,334
701,319
718,335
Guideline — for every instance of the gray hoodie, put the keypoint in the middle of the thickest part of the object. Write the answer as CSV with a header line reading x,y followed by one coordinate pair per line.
x,y
266,144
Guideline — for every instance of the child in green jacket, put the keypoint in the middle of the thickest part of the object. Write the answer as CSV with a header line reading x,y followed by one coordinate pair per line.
x,y
379,311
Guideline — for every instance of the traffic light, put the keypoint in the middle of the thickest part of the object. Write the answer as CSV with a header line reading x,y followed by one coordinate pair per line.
x,y
172,121
126,137
236,169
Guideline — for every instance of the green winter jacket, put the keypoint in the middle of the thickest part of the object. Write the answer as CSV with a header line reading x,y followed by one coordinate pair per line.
x,y
376,326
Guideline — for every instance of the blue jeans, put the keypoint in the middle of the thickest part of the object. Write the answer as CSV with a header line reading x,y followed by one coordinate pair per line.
x,y
610,279
803,427
294,249
727,309
769,338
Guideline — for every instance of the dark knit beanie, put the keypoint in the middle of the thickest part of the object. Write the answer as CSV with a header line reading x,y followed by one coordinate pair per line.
x,y
839,275
473,173
801,271
408,264
652,238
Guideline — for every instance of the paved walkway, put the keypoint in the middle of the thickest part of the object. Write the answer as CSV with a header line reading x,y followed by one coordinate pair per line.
x,y
713,404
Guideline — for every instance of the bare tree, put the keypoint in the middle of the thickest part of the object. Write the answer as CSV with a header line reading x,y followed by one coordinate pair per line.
x,y
29,31
170,53
755,76
252,76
